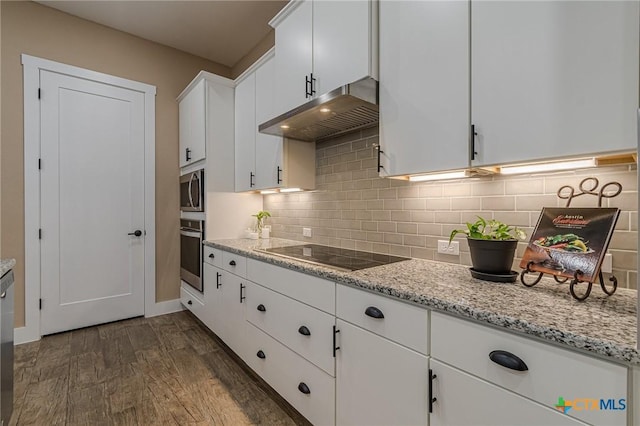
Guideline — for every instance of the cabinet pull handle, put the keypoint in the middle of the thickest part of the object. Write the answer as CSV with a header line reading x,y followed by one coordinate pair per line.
x,y
251,182
218,283
279,179
302,387
232,263
304,331
261,308
307,91
432,399
261,355
211,256
374,312
473,142
313,85
508,360
242,287
335,333
189,302
188,154
380,151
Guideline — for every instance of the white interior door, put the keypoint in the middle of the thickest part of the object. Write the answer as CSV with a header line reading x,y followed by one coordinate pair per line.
x,y
92,198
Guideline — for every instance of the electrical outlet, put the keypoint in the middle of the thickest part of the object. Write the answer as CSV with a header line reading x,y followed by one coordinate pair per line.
x,y
445,248
607,263
306,232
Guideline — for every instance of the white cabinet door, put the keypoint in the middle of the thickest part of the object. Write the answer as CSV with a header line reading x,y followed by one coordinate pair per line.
x,y
293,61
462,399
378,382
341,43
232,313
268,152
192,132
212,317
553,78
245,134
424,86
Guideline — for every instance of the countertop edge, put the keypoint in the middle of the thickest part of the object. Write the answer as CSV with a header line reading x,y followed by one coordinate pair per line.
x,y
608,350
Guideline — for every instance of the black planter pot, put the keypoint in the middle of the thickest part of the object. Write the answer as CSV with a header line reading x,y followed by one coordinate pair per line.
x,y
492,256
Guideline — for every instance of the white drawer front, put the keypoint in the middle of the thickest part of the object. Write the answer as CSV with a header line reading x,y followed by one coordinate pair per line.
x,y
234,263
288,373
212,256
303,329
552,372
402,323
308,289
192,302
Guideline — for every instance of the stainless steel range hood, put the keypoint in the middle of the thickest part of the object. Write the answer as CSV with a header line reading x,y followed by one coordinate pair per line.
x,y
348,108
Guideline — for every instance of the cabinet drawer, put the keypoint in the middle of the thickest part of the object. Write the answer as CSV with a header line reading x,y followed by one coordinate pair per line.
x,y
212,256
288,373
485,404
403,323
552,372
192,302
234,263
308,289
303,329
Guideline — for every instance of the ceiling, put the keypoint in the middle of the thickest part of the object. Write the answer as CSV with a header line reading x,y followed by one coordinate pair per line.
x,y
221,31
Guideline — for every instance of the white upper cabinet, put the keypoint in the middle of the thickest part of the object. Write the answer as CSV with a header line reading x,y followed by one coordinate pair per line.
x,y
266,161
424,86
553,78
322,45
192,118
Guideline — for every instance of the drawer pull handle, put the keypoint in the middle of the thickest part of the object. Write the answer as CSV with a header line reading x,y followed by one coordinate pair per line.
x,y
304,331
261,308
432,398
374,312
508,360
232,263
218,283
189,302
211,256
242,296
302,387
261,355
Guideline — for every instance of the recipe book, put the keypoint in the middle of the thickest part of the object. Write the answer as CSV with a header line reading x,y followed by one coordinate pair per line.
x,y
570,239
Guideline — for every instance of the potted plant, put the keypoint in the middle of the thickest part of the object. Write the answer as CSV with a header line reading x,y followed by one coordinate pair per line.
x,y
492,245
261,217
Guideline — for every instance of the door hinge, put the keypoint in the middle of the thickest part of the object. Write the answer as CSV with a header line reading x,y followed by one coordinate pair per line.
x,y
39,93
40,233
40,304
39,163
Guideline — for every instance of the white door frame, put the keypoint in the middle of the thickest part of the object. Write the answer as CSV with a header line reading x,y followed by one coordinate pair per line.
x,y
31,73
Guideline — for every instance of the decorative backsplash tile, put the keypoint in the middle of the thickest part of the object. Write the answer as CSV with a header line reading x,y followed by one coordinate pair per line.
x,y
354,208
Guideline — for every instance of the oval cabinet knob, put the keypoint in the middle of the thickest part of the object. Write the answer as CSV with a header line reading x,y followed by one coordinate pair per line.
x,y
232,263
302,387
211,256
374,312
304,330
189,302
261,354
508,360
261,308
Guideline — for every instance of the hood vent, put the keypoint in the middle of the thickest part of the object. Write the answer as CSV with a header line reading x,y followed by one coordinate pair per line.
x,y
345,109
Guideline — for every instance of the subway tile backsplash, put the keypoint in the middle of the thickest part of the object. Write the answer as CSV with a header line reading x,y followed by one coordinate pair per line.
x,y
354,208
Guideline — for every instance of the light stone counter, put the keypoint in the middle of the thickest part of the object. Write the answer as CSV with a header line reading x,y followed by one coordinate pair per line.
x,y
6,265
603,326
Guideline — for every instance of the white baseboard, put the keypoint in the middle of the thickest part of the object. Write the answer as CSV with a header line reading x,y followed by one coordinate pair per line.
x,y
25,335
166,307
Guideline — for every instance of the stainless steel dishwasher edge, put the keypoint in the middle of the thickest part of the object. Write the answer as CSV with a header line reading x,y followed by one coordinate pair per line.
x,y
6,347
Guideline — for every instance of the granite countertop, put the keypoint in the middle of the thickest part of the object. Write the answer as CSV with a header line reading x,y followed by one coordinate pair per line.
x,y
604,326
6,265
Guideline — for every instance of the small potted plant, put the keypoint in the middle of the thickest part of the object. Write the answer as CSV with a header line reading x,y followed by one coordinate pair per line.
x,y
261,216
492,245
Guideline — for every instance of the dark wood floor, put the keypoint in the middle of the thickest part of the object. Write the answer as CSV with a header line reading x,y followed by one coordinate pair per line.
x,y
164,370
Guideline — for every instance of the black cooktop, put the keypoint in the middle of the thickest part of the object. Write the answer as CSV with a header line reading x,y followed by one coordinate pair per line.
x,y
350,260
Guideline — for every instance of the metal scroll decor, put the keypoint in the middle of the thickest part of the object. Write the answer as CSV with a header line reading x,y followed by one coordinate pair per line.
x,y
570,243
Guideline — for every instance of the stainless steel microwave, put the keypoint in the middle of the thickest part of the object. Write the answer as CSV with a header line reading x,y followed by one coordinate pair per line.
x,y
192,191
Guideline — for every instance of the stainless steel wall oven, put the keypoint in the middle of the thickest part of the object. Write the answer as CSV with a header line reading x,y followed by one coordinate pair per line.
x,y
191,236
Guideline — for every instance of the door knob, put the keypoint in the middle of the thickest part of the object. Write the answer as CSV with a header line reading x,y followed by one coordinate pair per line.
x,y
137,233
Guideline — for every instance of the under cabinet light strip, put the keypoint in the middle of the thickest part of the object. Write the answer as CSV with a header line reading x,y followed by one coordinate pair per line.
x,y
438,176
549,167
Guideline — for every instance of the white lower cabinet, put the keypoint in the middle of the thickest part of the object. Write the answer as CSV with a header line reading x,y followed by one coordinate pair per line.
x,y
462,399
309,389
378,382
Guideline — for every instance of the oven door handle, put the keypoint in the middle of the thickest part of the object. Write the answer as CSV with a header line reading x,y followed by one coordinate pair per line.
x,y
193,234
190,194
